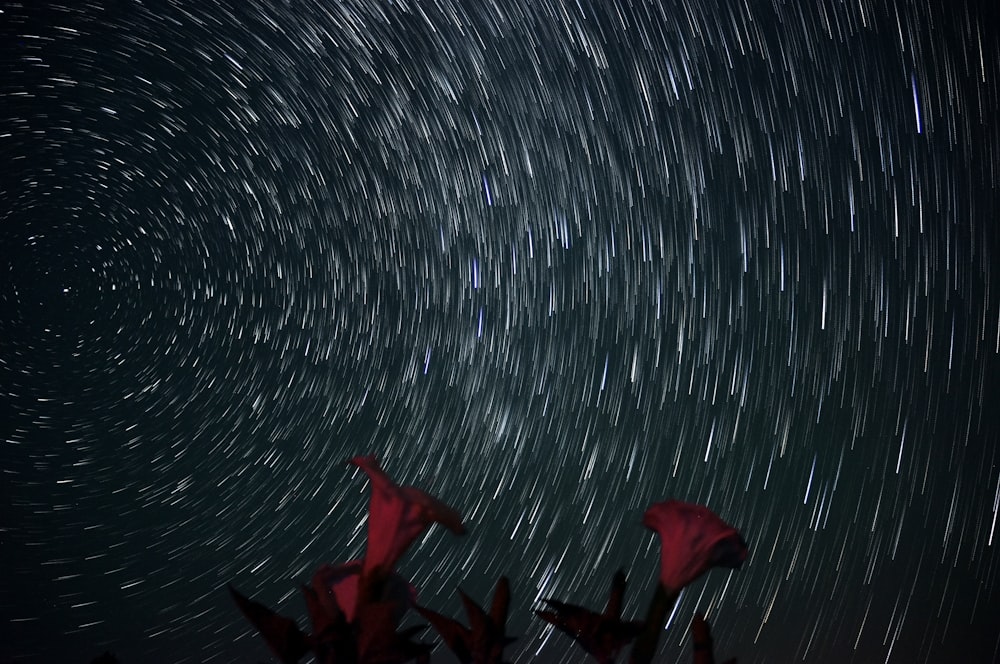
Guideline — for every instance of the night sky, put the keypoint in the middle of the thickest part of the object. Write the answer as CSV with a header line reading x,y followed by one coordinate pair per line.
x,y
551,262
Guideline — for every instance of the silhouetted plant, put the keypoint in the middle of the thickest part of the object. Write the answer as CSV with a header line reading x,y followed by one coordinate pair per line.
x,y
692,541
355,608
602,635
701,641
485,638
282,635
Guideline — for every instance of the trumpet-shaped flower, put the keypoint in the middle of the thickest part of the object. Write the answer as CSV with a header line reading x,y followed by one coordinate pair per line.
x,y
692,541
336,588
397,515
346,629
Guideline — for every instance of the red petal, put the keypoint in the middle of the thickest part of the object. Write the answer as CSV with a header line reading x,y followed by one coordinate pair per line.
x,y
397,516
692,540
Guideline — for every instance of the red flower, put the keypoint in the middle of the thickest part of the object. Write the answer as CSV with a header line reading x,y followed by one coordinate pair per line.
x,y
692,541
356,607
336,588
602,635
346,629
397,515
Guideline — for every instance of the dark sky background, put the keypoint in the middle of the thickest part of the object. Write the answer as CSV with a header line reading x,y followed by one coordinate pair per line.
x,y
549,261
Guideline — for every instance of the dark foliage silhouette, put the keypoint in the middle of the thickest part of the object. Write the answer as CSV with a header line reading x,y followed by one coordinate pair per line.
x,y
602,635
485,638
356,607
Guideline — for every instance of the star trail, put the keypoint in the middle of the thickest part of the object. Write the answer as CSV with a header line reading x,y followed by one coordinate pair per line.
x,y
551,262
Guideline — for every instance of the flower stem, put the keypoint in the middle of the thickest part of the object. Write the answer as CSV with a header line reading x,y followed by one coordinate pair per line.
x,y
656,615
